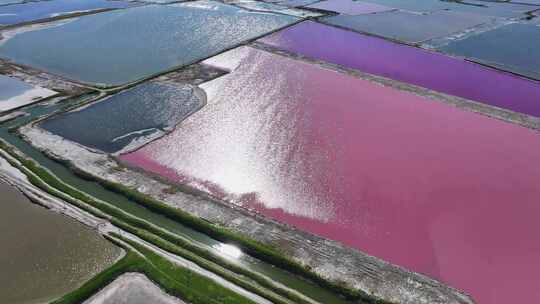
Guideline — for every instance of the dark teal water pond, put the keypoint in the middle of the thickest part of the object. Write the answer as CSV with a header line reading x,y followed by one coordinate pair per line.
x,y
122,46
129,117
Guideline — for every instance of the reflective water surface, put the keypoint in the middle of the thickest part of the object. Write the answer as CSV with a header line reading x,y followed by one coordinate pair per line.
x,y
122,46
129,117
441,191
412,65
45,255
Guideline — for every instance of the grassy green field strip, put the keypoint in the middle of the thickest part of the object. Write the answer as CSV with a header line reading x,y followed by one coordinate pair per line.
x,y
163,272
254,248
235,278
159,237
173,279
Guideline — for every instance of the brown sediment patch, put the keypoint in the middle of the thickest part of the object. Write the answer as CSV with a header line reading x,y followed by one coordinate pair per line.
x,y
44,254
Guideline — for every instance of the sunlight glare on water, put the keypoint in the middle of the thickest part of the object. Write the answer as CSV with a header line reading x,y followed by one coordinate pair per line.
x,y
354,161
230,251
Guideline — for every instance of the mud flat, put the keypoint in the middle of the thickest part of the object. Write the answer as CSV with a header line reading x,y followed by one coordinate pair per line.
x,y
44,254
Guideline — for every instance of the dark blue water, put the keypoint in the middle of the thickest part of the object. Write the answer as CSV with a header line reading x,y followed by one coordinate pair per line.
x,y
113,123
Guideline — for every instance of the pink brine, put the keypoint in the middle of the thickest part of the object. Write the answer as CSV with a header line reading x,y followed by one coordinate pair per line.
x,y
445,192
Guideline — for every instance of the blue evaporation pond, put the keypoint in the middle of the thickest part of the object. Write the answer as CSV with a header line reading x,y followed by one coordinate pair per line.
x,y
10,87
31,11
413,5
487,8
129,118
497,9
5,2
513,47
15,93
409,27
122,46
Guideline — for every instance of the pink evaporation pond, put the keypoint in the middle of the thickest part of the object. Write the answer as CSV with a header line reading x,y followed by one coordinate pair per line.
x,y
427,186
350,7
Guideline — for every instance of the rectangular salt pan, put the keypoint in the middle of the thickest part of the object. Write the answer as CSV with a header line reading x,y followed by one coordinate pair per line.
x,y
15,93
486,8
410,65
122,46
514,47
350,7
409,27
31,11
375,168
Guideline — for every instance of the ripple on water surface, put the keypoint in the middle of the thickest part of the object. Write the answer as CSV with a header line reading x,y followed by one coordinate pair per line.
x,y
417,182
45,255
125,45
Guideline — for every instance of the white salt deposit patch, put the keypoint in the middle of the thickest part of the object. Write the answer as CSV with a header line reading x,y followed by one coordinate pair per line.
x,y
15,93
132,288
